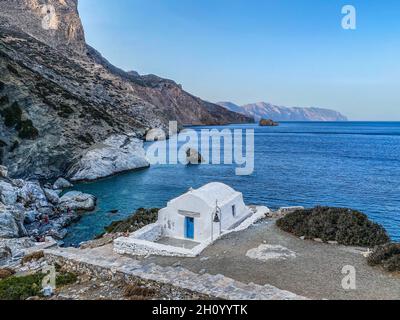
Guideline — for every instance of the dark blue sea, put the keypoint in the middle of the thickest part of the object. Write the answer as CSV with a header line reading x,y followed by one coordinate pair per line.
x,y
347,164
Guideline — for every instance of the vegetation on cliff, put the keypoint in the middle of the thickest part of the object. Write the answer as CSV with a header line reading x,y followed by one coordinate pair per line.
x,y
138,220
13,118
345,226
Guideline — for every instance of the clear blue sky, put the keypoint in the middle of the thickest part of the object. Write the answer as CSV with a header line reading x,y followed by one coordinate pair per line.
x,y
288,52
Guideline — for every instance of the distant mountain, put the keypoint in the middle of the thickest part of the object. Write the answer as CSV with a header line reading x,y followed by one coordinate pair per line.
x,y
279,113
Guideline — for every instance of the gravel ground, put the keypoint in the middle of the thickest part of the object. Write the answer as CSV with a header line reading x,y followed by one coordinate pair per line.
x,y
315,272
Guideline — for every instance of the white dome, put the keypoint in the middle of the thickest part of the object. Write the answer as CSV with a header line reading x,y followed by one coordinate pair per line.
x,y
213,192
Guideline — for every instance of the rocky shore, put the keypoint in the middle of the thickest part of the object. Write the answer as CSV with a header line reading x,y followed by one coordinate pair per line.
x,y
34,213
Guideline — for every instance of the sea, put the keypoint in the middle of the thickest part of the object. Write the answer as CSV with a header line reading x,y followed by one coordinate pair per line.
x,y
343,164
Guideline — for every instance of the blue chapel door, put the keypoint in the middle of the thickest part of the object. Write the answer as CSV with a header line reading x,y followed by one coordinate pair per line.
x,y
189,228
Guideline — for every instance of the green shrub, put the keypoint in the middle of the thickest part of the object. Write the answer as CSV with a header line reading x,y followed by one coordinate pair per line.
x,y
12,69
35,256
21,288
13,118
138,293
6,273
67,278
65,110
347,227
14,146
138,220
387,256
12,115
4,101
86,138
27,130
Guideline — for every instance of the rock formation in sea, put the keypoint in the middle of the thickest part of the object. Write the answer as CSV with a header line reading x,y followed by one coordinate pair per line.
x,y
194,157
61,101
264,110
268,123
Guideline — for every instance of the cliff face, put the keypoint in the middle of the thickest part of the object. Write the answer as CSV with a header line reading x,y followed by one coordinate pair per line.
x,y
59,98
264,110
169,98
55,22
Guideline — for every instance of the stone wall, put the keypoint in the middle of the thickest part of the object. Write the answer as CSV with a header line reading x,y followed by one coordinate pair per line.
x,y
105,273
152,232
145,248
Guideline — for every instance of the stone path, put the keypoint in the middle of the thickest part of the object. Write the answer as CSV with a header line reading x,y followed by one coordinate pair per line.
x,y
217,286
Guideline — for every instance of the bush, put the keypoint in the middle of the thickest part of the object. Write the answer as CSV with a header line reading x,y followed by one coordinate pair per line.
x,y
347,227
14,146
65,110
4,101
387,256
35,256
27,130
67,278
21,288
138,293
13,118
6,273
12,115
138,220
12,69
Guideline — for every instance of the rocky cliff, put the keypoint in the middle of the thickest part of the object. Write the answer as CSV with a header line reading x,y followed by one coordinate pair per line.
x,y
60,99
279,113
55,22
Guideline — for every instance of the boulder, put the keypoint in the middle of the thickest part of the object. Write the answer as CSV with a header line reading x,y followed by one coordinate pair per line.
x,y
8,193
13,249
52,196
78,201
157,134
8,225
268,123
31,216
117,154
3,172
194,157
58,234
18,183
32,193
12,222
62,183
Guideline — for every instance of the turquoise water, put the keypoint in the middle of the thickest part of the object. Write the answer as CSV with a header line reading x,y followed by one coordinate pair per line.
x,y
351,164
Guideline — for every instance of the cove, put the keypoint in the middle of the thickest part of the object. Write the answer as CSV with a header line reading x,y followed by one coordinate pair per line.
x,y
343,164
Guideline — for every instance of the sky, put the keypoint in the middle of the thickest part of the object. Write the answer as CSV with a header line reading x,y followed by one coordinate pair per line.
x,y
287,52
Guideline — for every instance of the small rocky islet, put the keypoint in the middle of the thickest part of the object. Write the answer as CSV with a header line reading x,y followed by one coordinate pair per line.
x,y
268,123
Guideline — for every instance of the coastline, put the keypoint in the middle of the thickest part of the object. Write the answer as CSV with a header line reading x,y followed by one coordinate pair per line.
x,y
313,271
